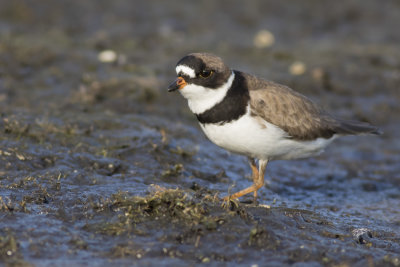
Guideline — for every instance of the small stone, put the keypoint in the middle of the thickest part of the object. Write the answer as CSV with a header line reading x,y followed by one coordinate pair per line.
x,y
205,260
297,68
107,56
362,235
263,39
3,97
318,74
20,157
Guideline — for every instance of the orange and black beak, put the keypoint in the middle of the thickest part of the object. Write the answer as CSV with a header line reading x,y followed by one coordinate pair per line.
x,y
178,84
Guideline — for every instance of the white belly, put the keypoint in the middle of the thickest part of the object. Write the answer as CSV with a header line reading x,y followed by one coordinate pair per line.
x,y
259,139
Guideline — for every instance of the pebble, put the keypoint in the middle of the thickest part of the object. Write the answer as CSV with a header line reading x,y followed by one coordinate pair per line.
x,y
263,39
107,56
362,235
297,68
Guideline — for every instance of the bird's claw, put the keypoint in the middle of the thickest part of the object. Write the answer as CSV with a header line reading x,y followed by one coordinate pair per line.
x,y
230,203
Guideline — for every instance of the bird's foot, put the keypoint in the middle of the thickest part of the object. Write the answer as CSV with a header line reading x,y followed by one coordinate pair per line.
x,y
230,203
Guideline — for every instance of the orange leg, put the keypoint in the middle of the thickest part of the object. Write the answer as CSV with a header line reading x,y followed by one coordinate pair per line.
x,y
258,180
255,173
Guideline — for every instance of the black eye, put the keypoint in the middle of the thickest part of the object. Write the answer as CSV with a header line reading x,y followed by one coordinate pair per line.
x,y
205,73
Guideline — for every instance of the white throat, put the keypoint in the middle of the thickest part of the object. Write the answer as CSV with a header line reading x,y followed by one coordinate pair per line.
x,y
201,98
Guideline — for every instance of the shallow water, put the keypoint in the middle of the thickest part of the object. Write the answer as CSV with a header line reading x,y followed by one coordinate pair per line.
x,y
100,165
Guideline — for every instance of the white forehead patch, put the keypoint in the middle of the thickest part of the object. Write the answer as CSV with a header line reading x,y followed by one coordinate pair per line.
x,y
185,70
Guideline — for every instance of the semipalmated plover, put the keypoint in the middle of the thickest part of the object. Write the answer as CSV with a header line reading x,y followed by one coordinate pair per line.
x,y
255,117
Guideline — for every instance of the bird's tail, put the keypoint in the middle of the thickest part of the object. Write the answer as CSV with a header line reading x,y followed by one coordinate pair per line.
x,y
354,127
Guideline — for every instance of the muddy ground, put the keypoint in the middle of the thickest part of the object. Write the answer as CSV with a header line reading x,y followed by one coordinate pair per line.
x,y
100,166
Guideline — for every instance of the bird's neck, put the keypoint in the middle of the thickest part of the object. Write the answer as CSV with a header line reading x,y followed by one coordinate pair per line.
x,y
232,106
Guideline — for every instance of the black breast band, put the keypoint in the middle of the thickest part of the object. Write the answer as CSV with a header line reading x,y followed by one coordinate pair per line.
x,y
232,107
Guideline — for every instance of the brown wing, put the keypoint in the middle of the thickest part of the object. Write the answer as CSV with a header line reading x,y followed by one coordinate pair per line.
x,y
296,114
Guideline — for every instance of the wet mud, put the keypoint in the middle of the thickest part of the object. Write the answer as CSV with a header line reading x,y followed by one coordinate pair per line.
x,y
100,166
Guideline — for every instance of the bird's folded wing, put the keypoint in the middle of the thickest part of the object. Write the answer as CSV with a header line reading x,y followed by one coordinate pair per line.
x,y
296,114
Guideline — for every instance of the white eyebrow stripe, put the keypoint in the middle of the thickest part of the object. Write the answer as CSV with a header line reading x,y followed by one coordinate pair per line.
x,y
185,70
